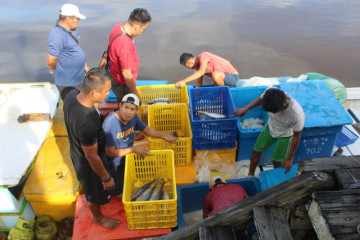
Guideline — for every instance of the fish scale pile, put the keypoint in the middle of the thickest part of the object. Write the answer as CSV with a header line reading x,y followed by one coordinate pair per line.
x,y
151,191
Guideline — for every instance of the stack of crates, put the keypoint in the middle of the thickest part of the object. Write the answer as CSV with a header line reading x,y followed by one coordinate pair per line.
x,y
169,119
215,134
169,91
159,164
111,105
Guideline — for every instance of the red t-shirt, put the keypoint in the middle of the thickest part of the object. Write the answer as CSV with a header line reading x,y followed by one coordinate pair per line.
x,y
216,63
222,197
122,55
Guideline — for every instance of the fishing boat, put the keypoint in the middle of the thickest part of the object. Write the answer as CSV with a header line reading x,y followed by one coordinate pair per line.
x,y
38,104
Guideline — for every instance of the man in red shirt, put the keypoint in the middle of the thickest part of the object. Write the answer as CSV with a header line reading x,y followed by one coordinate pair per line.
x,y
221,196
219,69
123,59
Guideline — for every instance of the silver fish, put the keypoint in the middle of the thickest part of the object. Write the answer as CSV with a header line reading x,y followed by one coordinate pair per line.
x,y
158,192
147,194
159,101
209,115
141,190
165,196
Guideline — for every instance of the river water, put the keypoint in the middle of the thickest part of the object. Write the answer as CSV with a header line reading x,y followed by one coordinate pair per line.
x,y
265,38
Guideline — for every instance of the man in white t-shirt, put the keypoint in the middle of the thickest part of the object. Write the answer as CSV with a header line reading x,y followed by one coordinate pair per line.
x,y
285,125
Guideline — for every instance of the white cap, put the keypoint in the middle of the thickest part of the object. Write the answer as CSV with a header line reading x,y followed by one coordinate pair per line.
x,y
131,98
71,10
213,181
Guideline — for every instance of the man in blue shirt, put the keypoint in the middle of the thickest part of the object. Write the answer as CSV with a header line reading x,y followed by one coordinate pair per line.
x,y
66,60
119,128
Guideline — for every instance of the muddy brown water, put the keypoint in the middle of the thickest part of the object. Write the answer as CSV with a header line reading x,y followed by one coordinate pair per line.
x,y
265,38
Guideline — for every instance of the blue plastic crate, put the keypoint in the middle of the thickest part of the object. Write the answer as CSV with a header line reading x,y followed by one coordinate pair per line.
x,y
246,142
275,176
191,197
247,137
345,137
324,118
112,98
212,134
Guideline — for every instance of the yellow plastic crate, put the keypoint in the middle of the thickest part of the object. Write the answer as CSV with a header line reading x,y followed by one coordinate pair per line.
x,y
139,171
168,119
169,91
52,186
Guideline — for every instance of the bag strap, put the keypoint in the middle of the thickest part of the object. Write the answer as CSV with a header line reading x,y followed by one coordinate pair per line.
x,y
118,35
77,42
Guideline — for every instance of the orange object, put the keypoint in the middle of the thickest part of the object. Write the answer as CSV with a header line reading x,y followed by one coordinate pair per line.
x,y
185,174
84,228
106,108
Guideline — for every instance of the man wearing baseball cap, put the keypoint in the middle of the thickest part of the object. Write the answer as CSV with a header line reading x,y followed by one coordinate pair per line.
x,y
66,60
221,196
119,128
71,10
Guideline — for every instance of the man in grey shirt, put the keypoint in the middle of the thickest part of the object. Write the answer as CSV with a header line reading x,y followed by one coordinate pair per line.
x,y
285,125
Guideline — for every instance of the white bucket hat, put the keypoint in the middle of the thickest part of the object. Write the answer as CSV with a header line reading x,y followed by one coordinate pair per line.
x,y
71,10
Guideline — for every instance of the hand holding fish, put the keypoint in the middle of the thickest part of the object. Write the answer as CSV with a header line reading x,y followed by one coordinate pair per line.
x,y
239,112
142,151
180,83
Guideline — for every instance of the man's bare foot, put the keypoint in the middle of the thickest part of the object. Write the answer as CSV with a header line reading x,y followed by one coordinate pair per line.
x,y
107,222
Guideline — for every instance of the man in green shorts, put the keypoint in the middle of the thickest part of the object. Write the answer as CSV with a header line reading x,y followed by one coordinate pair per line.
x,y
285,124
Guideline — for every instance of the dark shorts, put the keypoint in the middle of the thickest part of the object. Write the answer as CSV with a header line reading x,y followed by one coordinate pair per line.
x,y
265,141
231,79
118,175
119,90
92,185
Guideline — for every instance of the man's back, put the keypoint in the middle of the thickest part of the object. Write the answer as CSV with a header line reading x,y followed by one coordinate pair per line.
x,y
222,197
83,125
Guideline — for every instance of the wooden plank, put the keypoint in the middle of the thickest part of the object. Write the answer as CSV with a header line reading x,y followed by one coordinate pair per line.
x,y
240,214
348,237
348,177
319,223
271,223
336,206
217,233
329,164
